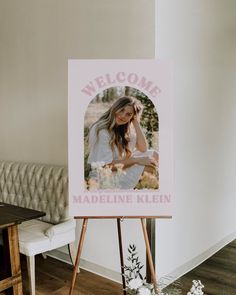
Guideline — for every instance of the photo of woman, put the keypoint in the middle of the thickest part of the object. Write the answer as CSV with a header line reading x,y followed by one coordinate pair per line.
x,y
118,152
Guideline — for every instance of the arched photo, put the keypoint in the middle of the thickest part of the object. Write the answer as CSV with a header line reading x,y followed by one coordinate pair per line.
x,y
121,149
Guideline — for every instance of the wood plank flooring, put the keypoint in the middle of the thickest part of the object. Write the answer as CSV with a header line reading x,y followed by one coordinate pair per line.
x,y
54,277
218,274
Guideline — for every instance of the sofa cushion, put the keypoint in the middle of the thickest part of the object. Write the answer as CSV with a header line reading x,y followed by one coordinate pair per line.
x,y
36,186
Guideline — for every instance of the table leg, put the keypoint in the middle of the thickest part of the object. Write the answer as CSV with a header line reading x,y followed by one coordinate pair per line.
x,y
13,283
15,258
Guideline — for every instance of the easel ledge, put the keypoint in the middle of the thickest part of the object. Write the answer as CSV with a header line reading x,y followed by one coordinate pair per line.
x,y
119,219
124,217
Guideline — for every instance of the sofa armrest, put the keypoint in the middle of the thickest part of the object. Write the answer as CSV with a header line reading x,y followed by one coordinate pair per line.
x,y
60,228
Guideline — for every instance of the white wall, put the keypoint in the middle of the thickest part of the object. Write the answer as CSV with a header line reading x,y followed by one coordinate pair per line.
x,y
36,40
199,36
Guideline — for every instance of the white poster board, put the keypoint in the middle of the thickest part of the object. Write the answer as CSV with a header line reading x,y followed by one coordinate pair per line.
x,y
106,128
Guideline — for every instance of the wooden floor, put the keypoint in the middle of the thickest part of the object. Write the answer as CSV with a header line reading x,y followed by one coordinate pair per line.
x,y
54,277
218,274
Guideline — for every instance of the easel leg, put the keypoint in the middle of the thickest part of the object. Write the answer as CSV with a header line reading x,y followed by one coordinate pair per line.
x,y
121,255
150,225
149,256
80,246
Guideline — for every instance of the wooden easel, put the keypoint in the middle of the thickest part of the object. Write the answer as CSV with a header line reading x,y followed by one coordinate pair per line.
x,y
119,218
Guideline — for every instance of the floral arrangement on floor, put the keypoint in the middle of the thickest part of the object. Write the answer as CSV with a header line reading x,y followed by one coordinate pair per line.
x,y
196,288
136,283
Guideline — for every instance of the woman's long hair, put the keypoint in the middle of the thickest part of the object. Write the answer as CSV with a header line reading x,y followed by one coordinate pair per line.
x,y
120,135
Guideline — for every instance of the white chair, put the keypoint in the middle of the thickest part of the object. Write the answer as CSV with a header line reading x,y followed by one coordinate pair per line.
x,y
36,237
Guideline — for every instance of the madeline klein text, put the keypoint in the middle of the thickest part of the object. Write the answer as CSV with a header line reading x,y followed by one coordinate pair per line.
x,y
122,198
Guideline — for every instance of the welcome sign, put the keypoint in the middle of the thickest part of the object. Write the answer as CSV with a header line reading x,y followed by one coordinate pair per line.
x,y
121,78
120,138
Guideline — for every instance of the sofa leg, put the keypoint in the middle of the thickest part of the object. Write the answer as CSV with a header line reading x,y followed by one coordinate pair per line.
x,y
31,273
72,253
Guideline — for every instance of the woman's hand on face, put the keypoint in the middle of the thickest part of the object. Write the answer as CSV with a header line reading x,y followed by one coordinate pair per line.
x,y
147,161
136,119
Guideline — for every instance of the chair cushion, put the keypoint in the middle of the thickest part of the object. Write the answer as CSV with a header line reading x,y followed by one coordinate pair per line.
x,y
60,228
32,238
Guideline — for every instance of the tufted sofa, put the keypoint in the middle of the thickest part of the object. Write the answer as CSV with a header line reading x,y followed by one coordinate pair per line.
x,y
44,188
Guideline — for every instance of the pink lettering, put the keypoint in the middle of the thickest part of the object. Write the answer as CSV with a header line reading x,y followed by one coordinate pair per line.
x,y
154,91
100,82
109,80
120,77
132,78
89,89
143,83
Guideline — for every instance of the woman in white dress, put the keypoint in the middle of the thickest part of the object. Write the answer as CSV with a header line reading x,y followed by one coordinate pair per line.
x,y
116,139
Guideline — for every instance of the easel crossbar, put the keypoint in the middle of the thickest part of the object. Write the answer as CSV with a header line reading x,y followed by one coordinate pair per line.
x,y
124,217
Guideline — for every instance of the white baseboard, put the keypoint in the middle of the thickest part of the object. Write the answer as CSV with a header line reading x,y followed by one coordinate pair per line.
x,y
87,265
164,281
